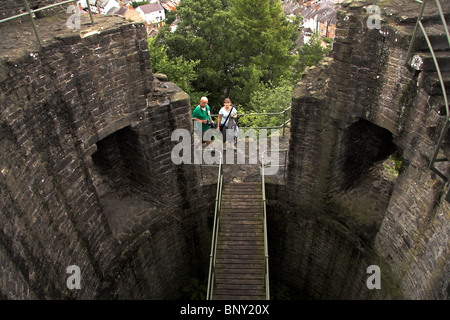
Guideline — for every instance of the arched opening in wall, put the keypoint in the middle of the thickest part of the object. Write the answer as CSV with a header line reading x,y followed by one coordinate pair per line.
x,y
121,176
364,145
365,175
120,162
163,247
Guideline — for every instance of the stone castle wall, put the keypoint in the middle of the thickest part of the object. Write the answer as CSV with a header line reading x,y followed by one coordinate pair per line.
x,y
58,208
365,84
86,176
11,8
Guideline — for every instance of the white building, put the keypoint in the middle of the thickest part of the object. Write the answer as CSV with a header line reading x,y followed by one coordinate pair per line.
x,y
100,6
152,13
174,25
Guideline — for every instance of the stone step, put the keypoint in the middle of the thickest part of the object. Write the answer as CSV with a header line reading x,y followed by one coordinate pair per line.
x,y
242,192
243,225
230,241
230,255
243,235
443,58
250,219
436,34
254,285
245,294
243,188
233,281
411,10
228,219
249,266
241,207
239,276
248,201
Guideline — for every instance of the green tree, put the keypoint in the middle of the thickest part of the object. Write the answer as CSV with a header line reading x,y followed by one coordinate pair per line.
x,y
205,33
269,98
178,70
269,37
136,4
312,52
195,290
239,44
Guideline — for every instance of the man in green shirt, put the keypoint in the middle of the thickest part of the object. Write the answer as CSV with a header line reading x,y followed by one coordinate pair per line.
x,y
202,116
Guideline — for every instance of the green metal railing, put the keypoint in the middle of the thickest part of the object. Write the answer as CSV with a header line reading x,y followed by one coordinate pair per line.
x,y
216,226
32,12
444,130
215,234
282,126
266,245
277,165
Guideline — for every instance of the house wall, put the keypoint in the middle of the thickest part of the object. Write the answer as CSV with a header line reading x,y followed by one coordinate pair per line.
x,y
154,17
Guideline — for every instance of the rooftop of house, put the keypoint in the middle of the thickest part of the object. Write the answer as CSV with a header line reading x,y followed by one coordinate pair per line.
x,y
169,5
113,10
326,11
122,10
151,7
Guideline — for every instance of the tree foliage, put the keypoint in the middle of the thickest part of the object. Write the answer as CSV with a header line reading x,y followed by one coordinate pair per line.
x,y
136,4
268,37
178,70
312,52
242,49
269,98
239,44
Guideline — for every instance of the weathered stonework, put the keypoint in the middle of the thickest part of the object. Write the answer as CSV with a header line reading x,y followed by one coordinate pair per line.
x,y
139,230
86,176
366,84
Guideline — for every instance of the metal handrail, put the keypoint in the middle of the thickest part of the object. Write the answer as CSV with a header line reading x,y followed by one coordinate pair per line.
x,y
212,256
438,70
266,246
31,12
285,122
285,160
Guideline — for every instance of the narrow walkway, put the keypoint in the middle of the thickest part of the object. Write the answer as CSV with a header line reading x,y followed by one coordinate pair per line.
x,y
235,172
240,262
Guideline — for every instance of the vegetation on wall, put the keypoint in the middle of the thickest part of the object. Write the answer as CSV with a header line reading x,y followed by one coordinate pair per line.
x,y
177,69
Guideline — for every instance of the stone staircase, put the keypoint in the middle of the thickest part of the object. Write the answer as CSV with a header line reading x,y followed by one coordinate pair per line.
x,y
240,260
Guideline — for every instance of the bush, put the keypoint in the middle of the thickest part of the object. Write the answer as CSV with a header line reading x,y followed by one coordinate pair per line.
x,y
140,3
